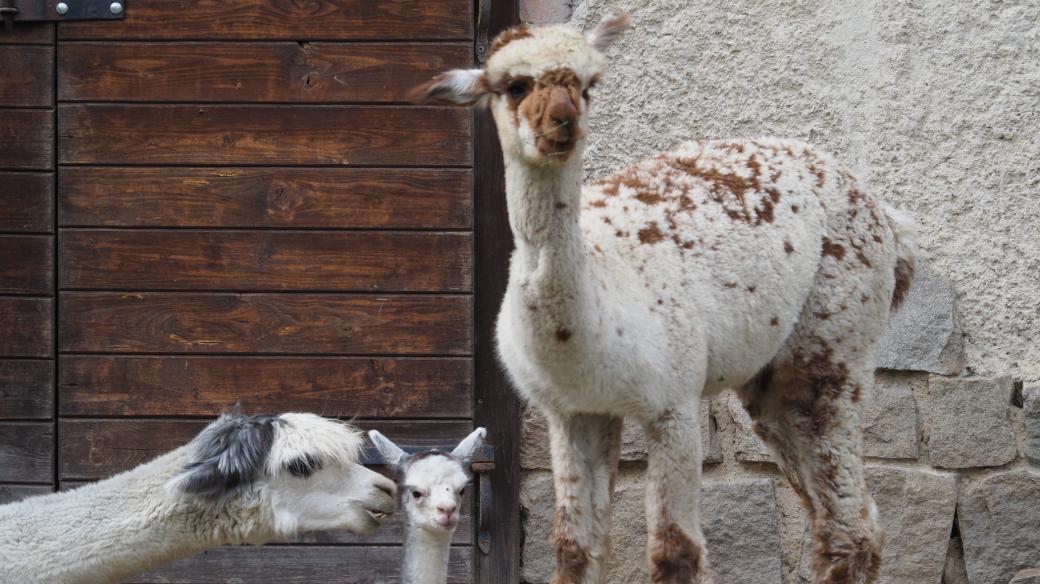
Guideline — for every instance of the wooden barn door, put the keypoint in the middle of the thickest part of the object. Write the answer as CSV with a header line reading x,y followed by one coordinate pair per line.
x,y
219,202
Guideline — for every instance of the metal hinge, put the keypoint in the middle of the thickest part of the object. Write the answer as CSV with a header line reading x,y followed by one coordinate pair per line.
x,y
483,27
13,11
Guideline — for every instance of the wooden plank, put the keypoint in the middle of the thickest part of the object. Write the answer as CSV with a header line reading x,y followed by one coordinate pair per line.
x,y
11,493
265,323
291,135
264,260
332,386
27,264
28,328
252,72
26,139
28,76
27,452
26,389
255,134
298,565
26,201
286,20
402,198
28,33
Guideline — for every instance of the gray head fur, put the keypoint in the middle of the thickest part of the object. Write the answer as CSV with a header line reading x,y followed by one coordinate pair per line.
x,y
228,455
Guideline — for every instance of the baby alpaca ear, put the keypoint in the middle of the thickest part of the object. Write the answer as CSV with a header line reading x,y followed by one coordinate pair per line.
x,y
455,87
466,448
608,30
227,454
393,454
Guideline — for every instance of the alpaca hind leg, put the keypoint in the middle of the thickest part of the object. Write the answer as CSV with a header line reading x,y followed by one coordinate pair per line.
x,y
585,450
675,542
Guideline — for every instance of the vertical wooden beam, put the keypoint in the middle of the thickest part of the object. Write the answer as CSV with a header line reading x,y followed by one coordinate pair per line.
x,y
496,406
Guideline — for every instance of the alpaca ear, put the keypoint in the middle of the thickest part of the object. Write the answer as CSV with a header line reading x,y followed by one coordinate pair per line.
x,y
455,87
226,455
608,30
466,448
393,454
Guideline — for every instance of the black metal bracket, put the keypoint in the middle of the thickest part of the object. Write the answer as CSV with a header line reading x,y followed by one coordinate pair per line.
x,y
482,463
483,25
14,11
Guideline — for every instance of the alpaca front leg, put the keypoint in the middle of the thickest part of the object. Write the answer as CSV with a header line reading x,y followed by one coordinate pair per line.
x,y
673,482
585,450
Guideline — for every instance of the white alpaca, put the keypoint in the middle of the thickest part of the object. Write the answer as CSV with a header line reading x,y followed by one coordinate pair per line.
x,y
431,484
244,479
759,265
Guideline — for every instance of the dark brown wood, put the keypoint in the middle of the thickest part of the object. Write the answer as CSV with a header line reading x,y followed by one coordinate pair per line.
x,y
251,72
26,139
265,323
284,19
10,493
264,260
28,75
26,201
332,386
257,134
28,33
27,326
401,198
496,405
26,452
27,264
26,389
298,565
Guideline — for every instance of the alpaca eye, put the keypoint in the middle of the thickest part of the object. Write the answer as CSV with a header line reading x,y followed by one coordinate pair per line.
x,y
462,490
585,94
517,90
416,495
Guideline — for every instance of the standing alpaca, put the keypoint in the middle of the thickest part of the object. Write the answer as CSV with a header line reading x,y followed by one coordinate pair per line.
x,y
244,479
432,484
760,265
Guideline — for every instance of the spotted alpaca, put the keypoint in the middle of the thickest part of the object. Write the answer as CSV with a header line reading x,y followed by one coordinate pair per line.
x,y
759,265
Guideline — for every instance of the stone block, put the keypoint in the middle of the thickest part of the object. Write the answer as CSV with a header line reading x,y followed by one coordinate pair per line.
x,y
999,520
917,511
1031,576
1031,414
545,11
740,520
924,334
890,416
965,421
747,446
538,502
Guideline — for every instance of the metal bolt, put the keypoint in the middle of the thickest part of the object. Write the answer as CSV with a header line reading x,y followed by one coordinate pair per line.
x,y
116,8
62,8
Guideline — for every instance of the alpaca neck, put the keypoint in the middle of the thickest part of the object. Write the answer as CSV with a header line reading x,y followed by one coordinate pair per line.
x,y
110,530
425,556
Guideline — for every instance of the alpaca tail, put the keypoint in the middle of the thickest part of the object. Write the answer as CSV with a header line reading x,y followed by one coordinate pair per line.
x,y
905,231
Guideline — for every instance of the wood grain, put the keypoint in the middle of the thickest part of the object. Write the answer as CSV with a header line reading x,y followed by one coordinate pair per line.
x,y
27,452
298,565
28,33
26,201
259,134
403,198
333,386
27,264
11,493
264,260
265,323
251,72
26,139
28,75
26,389
27,326
285,19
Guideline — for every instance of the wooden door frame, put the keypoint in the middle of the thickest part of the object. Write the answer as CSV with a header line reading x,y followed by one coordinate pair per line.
x,y
495,406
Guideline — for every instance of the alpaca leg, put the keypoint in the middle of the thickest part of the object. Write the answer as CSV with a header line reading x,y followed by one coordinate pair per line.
x,y
585,450
675,542
812,427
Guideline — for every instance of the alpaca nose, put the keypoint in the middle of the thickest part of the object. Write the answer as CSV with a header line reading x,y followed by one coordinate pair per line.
x,y
561,113
447,509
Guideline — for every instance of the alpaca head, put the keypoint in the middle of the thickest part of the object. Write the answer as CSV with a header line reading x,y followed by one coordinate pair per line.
x,y
537,84
299,470
432,482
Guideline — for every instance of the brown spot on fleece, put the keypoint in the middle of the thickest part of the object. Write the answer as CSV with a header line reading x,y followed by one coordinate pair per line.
x,y
675,558
835,250
509,35
650,234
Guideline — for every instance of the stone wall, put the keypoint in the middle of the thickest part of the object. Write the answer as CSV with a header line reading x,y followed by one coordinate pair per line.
x,y
933,104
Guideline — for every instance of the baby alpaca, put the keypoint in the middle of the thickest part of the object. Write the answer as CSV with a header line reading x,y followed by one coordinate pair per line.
x,y
243,479
432,484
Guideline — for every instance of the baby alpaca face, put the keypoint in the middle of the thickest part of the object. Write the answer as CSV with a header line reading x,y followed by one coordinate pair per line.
x,y
433,487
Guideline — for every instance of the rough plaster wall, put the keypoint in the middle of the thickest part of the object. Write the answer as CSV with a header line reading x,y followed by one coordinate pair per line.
x,y
935,104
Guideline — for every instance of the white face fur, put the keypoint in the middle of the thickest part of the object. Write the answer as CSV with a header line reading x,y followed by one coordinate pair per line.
x,y
432,483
